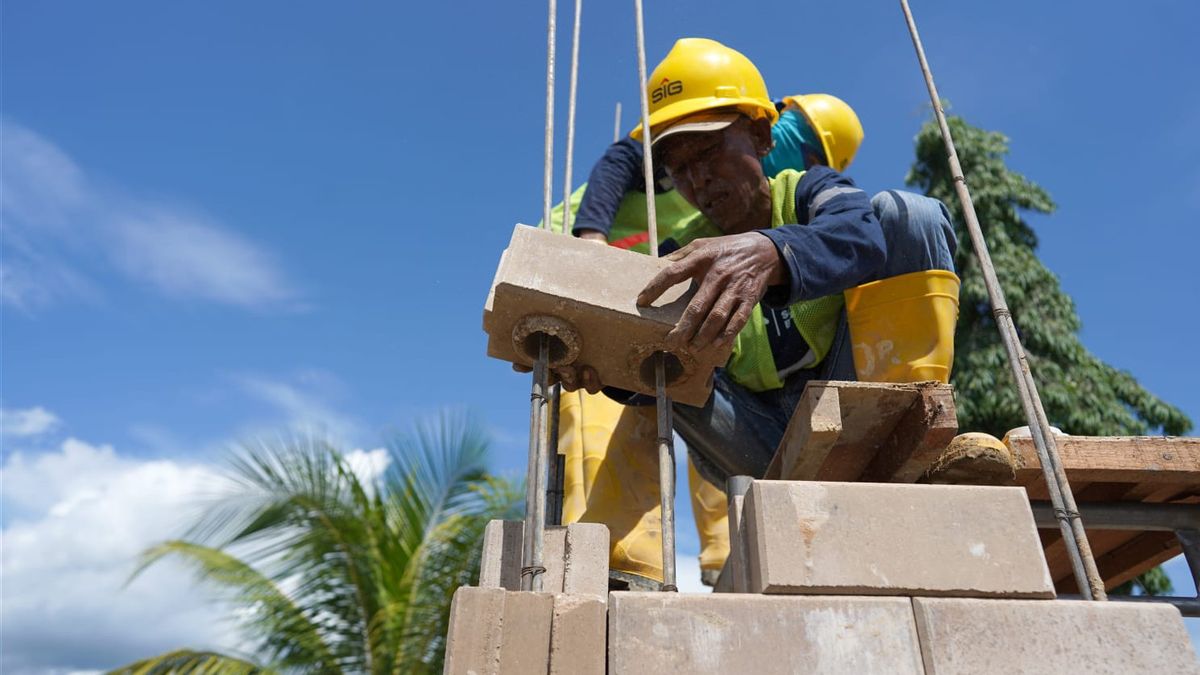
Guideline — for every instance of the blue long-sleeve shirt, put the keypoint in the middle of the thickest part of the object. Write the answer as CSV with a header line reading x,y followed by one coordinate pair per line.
x,y
837,244
618,171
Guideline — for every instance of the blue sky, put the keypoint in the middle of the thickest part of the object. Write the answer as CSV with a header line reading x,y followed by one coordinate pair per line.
x,y
224,219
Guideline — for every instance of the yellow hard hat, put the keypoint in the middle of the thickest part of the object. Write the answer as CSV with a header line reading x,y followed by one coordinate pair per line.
x,y
699,75
835,122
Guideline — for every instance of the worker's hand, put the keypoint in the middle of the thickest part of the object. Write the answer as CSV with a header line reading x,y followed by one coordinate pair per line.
x,y
574,377
570,377
733,273
593,235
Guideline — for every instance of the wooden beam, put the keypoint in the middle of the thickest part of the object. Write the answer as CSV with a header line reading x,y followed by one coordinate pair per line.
x,y
1118,459
811,433
918,439
839,427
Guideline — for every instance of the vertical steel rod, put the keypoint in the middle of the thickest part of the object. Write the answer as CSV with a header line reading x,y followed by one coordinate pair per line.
x,y
535,479
1087,577
567,189
533,537
666,473
666,450
647,159
617,124
548,159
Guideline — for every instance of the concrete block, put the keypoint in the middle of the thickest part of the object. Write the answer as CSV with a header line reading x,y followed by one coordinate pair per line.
x,y
585,550
737,563
513,632
575,557
473,638
584,295
578,635
525,632
1023,636
680,633
889,539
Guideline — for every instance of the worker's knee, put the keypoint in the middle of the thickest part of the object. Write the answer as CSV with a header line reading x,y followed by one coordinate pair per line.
x,y
917,230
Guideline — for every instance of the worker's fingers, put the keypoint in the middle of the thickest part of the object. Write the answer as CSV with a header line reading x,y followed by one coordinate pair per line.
x,y
567,377
680,254
678,271
737,321
689,322
591,380
716,320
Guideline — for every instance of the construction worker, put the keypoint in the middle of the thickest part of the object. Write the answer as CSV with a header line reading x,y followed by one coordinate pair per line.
x,y
611,207
799,243
607,447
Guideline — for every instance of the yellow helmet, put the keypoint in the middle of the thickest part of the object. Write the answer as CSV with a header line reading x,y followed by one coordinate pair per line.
x,y
699,75
835,122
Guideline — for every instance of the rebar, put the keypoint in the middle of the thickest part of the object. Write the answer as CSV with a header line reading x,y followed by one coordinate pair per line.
x,y
666,473
1079,550
617,124
533,537
571,120
666,446
647,160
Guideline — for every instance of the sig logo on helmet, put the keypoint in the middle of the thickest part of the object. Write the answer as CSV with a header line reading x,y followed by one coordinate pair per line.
x,y
667,87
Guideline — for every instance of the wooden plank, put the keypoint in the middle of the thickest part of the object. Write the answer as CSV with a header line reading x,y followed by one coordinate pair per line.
x,y
919,438
1121,459
839,427
870,413
811,432
1137,553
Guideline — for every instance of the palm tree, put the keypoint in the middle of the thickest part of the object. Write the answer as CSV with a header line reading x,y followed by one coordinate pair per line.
x,y
337,572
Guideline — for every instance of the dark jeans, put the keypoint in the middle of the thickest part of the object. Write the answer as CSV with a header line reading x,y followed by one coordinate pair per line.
x,y
738,430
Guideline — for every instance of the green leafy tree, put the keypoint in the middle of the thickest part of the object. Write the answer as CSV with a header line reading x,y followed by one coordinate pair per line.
x,y
332,571
1082,394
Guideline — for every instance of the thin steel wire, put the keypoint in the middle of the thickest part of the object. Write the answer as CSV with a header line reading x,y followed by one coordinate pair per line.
x,y
1080,551
647,160
666,450
533,537
571,120
548,166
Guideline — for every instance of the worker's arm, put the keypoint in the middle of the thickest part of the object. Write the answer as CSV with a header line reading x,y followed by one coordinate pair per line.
x,y
838,245
617,172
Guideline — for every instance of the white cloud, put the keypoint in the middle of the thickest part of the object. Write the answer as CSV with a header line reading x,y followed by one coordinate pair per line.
x,y
60,229
303,401
76,520
28,422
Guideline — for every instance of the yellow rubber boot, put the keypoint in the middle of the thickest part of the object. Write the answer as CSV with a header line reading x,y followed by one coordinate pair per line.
x,y
902,328
611,477
711,511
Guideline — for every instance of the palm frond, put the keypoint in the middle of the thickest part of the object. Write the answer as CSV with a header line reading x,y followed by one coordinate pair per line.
x,y
286,630
369,566
190,662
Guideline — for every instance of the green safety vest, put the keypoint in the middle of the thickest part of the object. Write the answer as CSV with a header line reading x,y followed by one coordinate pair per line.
x,y
629,223
752,364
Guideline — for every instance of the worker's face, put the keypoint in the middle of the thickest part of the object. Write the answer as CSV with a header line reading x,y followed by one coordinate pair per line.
x,y
720,173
